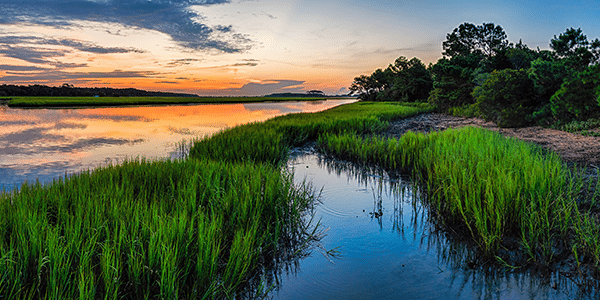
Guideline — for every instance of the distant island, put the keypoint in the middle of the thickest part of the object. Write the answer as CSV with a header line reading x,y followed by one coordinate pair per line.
x,y
68,90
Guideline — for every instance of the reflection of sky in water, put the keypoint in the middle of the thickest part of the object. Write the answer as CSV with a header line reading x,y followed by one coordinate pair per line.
x,y
388,249
45,143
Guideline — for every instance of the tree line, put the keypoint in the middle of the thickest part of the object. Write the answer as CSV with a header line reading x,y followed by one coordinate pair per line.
x,y
68,90
482,74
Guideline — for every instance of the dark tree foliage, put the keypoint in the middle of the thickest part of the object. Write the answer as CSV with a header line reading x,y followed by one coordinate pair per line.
x,y
486,39
410,81
574,47
577,98
506,98
68,90
453,81
520,56
365,86
405,80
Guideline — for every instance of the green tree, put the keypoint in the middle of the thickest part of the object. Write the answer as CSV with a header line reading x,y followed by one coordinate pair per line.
x,y
453,81
506,98
365,86
577,98
486,39
410,81
574,47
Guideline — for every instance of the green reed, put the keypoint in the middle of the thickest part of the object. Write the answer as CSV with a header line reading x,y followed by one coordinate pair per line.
x,y
271,141
168,229
492,187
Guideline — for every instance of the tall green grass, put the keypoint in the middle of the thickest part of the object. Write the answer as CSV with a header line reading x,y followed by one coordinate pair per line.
x,y
271,141
488,186
170,229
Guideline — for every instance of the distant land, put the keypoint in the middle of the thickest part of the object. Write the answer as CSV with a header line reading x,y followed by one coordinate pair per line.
x,y
68,90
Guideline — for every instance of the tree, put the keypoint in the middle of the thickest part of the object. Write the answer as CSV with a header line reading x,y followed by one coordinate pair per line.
x,y
486,40
506,98
453,81
573,46
411,81
364,86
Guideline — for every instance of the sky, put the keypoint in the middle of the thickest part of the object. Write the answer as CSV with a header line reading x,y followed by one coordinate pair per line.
x,y
251,47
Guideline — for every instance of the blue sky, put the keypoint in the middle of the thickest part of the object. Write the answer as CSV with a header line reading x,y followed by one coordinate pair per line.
x,y
250,47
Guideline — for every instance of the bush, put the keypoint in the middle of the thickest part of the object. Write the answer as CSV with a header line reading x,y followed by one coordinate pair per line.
x,y
506,98
577,99
453,81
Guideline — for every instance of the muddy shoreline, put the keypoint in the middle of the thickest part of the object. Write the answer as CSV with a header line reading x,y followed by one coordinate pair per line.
x,y
574,149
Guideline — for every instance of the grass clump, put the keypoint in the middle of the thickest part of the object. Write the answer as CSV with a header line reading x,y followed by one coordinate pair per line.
x,y
493,188
270,141
169,229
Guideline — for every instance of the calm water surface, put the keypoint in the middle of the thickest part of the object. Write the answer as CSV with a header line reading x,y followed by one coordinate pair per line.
x,y
387,249
43,144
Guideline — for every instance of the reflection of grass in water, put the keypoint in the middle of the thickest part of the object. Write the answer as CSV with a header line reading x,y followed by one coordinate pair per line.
x,y
493,188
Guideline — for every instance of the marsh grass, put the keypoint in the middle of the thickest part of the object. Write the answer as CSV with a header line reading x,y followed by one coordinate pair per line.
x,y
120,101
493,188
271,141
169,229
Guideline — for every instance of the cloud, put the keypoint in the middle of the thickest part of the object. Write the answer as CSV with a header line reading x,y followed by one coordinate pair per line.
x,y
270,87
57,76
21,68
84,46
172,17
244,63
32,55
181,62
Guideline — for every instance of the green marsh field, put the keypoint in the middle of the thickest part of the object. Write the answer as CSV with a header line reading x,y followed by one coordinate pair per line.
x,y
123,101
209,225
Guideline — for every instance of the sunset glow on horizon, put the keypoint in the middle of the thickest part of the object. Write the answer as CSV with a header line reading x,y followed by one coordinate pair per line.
x,y
249,48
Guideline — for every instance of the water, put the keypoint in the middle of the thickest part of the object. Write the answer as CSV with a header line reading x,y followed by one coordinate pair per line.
x,y
385,248
43,144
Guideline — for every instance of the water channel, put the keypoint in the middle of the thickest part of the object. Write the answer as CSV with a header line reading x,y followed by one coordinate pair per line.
x,y
377,244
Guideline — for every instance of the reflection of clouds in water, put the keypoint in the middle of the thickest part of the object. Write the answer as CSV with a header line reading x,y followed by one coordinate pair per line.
x,y
187,131
45,173
64,147
114,118
289,107
30,135
16,122
69,125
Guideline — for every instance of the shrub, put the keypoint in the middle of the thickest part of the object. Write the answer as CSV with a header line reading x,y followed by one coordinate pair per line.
x,y
577,99
506,98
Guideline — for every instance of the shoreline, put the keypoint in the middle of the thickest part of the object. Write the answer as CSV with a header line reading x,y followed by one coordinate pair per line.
x,y
574,149
76,102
